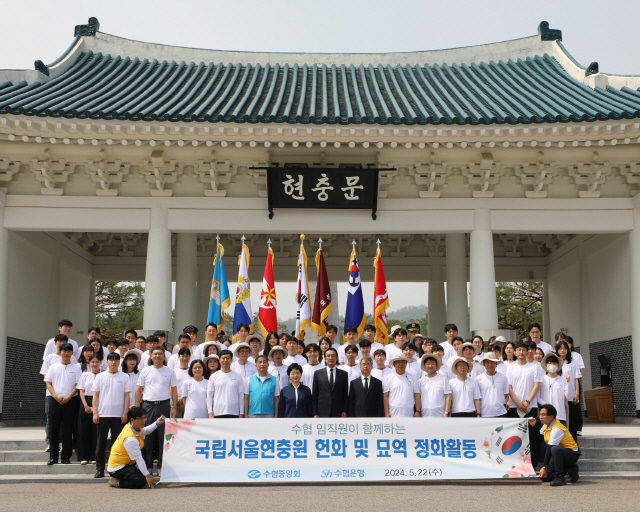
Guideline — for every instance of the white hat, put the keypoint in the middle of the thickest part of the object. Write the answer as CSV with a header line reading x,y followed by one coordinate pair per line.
x,y
457,360
252,337
476,350
430,356
275,348
500,339
543,363
490,356
243,345
206,359
394,329
133,353
417,336
400,357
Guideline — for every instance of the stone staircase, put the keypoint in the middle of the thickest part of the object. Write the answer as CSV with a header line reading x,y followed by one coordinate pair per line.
x,y
26,461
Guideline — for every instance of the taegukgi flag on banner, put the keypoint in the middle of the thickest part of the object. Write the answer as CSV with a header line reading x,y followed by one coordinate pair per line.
x,y
380,300
219,299
267,318
322,304
289,450
242,312
354,314
303,313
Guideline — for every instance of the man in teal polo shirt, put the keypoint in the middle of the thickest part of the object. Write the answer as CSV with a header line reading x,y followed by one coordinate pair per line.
x,y
261,392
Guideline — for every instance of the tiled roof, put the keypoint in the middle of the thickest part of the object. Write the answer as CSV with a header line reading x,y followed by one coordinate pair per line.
x,y
532,90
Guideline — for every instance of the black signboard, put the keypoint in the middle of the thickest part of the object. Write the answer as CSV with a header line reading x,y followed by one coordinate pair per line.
x,y
323,188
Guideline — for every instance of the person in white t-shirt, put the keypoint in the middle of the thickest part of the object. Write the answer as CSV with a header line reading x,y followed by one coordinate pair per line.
x,y
401,391
575,410
256,342
494,388
351,334
151,343
399,339
277,367
554,385
351,367
451,332
225,390
381,369
110,405
369,334
130,367
435,391
182,375
193,393
64,327
292,350
524,384
572,374
445,369
87,430
535,333
155,392
312,352
469,351
478,342
414,368
62,380
183,342
465,393
242,366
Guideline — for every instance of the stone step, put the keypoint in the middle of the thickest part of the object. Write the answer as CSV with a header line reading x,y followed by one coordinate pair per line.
x,y
610,453
23,445
599,465
40,468
610,475
73,478
609,442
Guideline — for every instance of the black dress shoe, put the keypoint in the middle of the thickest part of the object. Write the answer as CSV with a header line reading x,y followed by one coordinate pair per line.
x,y
51,462
99,474
65,461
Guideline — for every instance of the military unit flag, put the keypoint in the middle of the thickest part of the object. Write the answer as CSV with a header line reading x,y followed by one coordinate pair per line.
x,y
303,314
267,318
322,304
380,301
219,299
354,314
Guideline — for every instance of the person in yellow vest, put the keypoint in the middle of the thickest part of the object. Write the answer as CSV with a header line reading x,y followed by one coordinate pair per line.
x,y
562,450
126,453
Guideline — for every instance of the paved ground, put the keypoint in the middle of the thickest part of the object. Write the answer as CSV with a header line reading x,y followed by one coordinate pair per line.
x,y
601,495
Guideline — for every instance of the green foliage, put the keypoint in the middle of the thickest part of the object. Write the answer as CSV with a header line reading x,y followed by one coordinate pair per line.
x,y
119,306
519,304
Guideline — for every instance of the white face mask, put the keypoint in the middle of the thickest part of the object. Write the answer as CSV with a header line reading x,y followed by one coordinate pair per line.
x,y
552,368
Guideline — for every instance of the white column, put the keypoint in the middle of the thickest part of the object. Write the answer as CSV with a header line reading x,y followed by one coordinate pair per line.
x,y
483,310
436,303
546,314
157,293
186,279
92,303
634,250
4,265
456,261
203,291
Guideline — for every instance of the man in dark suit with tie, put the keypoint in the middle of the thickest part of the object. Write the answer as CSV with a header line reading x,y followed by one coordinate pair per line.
x,y
365,393
330,394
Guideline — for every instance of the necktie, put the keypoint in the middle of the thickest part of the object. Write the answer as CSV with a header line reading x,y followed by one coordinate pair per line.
x,y
331,379
366,386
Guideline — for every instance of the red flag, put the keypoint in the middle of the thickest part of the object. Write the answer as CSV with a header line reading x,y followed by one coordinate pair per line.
x,y
380,301
322,304
267,319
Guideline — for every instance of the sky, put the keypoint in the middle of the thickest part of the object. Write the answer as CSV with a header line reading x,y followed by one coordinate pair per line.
x,y
592,30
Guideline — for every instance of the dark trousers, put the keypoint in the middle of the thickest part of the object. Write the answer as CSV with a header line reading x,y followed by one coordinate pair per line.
x,y
47,404
227,416
87,433
561,460
463,415
75,405
113,424
155,439
575,419
130,477
60,416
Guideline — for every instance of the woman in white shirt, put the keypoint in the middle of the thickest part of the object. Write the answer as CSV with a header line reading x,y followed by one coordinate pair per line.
x,y
130,369
465,393
87,430
552,389
194,391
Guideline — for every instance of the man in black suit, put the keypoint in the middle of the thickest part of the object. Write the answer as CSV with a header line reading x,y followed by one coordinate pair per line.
x,y
330,394
365,393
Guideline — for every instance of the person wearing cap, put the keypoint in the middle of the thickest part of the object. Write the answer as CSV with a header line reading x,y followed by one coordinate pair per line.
x,y
468,351
399,339
366,397
412,329
401,391
261,392
225,390
524,385
445,369
256,342
465,393
313,355
554,385
562,453
276,365
435,390
182,375
417,340
212,364
451,332
330,392
535,333
129,367
242,366
500,340
494,388
351,333
369,334
184,341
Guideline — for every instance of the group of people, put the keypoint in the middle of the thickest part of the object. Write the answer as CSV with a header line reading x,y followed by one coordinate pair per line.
x,y
121,389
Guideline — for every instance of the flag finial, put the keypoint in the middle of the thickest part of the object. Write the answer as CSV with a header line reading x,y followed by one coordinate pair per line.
x,y
378,243
218,238
354,243
302,237
320,242
269,243
243,239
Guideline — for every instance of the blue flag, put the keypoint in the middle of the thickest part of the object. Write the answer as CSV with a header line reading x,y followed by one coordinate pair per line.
x,y
242,314
219,300
355,302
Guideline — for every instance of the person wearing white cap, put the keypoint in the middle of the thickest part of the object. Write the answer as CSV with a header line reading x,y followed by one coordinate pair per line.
x,y
435,391
399,339
277,367
242,366
256,342
465,393
554,385
468,351
401,391
494,388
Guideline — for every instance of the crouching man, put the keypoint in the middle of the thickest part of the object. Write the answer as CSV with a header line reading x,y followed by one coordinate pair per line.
x,y
562,451
126,453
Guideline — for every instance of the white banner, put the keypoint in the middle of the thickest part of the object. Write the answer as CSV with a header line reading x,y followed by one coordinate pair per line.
x,y
344,450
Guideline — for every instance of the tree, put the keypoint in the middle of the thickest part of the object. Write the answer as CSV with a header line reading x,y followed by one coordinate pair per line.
x,y
119,306
519,304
